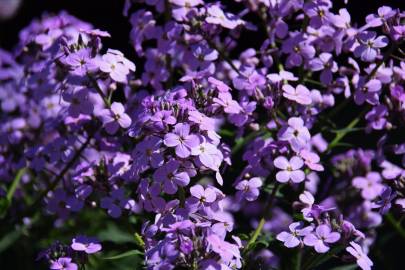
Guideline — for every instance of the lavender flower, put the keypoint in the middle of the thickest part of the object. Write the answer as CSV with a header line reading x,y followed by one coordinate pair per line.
x,y
294,237
249,189
362,259
182,140
290,169
321,237
115,117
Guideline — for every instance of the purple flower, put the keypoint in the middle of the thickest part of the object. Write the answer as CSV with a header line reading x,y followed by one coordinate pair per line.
x,y
369,45
311,160
311,210
79,103
370,185
80,62
290,169
116,65
201,196
326,64
171,177
249,189
377,117
114,118
182,140
63,263
215,15
296,133
298,50
383,14
321,237
86,244
204,122
384,201
300,94
229,105
163,118
361,258
148,152
367,91
209,155
226,250
294,237
115,202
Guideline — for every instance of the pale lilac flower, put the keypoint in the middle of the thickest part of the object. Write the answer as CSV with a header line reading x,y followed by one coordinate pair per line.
x,y
114,118
383,14
215,15
311,159
182,140
63,263
281,76
249,189
208,154
229,105
204,122
300,94
86,244
295,133
225,250
321,237
294,237
370,185
361,258
369,45
290,169
310,209
116,65
81,62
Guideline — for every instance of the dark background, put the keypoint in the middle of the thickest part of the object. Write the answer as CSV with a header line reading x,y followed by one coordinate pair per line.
x,y
107,15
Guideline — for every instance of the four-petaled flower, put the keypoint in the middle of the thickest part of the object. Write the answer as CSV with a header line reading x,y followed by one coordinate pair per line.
x,y
300,94
86,244
114,118
294,237
290,169
182,140
249,189
321,237
171,177
361,258
63,263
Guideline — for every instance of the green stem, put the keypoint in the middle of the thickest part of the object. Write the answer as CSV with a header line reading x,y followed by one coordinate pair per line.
x,y
396,225
15,184
346,130
262,220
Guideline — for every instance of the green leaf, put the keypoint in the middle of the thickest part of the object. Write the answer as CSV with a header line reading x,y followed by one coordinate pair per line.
x,y
125,254
114,234
9,239
6,202
346,130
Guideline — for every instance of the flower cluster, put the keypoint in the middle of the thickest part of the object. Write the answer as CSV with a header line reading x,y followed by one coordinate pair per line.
x,y
208,130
